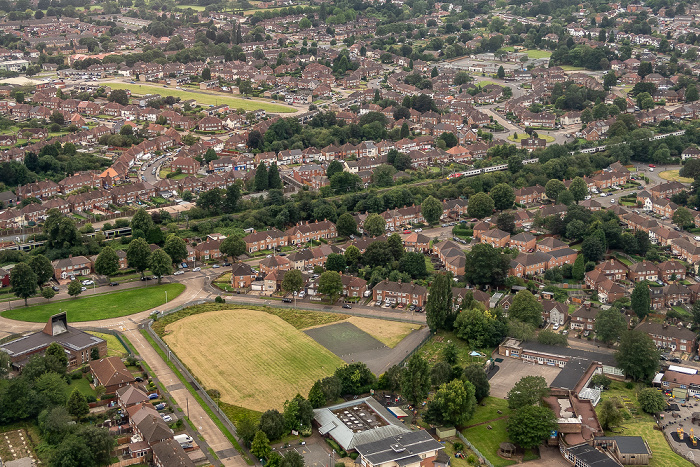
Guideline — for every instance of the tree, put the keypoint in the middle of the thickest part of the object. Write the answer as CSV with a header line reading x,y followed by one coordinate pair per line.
x,y
42,267
206,74
609,325
274,182
374,225
593,247
480,205
352,255
439,305
48,293
440,374
651,400
645,68
346,225
161,264
107,262
578,271
56,359
260,447
261,177
431,209
99,441
641,299
72,451
232,246
637,355
176,248
609,79
293,281
330,284
51,388
298,412
553,188
354,378
454,404
503,196
77,404
75,288
526,308
141,221
334,167
475,374
579,189
336,262
292,458
501,73
486,265
138,255
23,281
383,175
272,424
119,96
415,380
683,218
691,93
413,264
530,425
530,390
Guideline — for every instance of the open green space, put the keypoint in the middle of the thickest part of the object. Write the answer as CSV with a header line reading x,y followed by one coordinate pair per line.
x,y
206,98
83,386
114,347
535,54
432,349
194,7
488,410
672,175
487,441
522,136
638,423
96,307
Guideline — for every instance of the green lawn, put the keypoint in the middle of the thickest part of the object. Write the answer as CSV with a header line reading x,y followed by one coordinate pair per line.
x,y
194,7
114,347
83,386
522,136
642,424
109,305
487,441
489,410
207,98
432,349
535,54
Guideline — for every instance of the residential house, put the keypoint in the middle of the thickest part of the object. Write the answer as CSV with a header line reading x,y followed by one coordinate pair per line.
x,y
669,337
400,292
584,318
111,373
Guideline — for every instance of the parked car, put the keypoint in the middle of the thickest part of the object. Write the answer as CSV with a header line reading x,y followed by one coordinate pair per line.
x,y
287,300
216,266
346,306
153,396
160,406
555,327
378,303
167,418
226,264
83,289
184,265
114,284
177,273
55,288
197,269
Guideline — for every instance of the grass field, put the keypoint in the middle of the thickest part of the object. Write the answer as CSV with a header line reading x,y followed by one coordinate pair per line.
x,y
535,54
205,98
485,440
114,347
672,175
432,349
109,305
83,386
642,424
343,338
571,68
259,360
389,333
194,7
522,136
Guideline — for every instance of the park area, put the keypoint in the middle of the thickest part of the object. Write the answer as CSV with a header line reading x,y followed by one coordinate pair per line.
x,y
97,307
206,98
518,137
487,429
638,423
673,175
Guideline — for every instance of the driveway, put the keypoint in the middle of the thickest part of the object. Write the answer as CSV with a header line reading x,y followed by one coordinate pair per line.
x,y
510,371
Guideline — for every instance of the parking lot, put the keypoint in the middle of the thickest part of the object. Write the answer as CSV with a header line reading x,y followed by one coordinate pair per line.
x,y
315,451
510,371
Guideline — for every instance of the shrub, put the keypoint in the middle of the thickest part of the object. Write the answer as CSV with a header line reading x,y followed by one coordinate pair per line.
x,y
91,398
629,385
601,380
219,299
77,374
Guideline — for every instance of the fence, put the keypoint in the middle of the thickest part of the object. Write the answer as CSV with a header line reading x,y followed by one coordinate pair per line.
x,y
416,349
112,333
476,451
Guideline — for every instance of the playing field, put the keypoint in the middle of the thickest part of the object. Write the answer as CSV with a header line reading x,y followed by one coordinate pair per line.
x,y
534,54
206,98
344,338
389,333
254,358
672,175
522,136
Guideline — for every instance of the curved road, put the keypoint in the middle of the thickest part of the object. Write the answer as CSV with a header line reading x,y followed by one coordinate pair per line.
x,y
197,287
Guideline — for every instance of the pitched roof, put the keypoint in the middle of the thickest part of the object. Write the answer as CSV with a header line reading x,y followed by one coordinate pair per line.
x,y
110,371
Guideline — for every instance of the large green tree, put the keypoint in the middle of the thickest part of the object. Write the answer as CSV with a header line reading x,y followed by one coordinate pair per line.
x,y
637,355
579,189
415,380
683,218
161,264
77,404
609,414
232,246
331,285
453,404
439,306
475,374
261,177
530,390
60,231
431,209
553,188
260,446
480,205
23,281
413,264
374,225
526,308
75,288
503,196
346,225
529,426
486,265
176,248
651,400
274,182
141,221
641,299
42,267
609,325
293,281
138,255
107,262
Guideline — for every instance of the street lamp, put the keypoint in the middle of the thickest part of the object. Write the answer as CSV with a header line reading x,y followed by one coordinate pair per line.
x,y
166,297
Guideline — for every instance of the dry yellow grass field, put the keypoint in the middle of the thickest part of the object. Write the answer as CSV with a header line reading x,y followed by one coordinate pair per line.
x,y
254,358
388,333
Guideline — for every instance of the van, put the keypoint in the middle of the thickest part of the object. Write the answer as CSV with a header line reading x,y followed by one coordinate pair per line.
x,y
185,441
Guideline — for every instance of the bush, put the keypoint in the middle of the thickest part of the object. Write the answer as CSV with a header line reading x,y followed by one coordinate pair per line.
x,y
77,374
219,299
91,398
131,361
629,385
601,380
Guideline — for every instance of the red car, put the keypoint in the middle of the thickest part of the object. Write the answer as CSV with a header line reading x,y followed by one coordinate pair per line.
x,y
652,166
407,231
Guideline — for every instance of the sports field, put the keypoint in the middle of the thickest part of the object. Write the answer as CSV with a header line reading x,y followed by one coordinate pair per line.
x,y
207,98
102,306
522,136
256,359
389,333
672,175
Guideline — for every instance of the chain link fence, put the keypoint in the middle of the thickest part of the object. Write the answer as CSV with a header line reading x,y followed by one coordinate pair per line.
x,y
476,451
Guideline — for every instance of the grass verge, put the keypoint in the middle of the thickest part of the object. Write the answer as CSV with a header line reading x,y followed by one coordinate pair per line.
x,y
197,397
97,307
114,347
673,175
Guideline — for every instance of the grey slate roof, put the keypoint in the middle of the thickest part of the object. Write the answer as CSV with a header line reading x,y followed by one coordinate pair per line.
x,y
403,449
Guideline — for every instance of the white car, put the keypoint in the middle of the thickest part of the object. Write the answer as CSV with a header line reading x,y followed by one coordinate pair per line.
x,y
418,230
555,327
83,289
197,269
177,273
612,200
167,418
88,282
